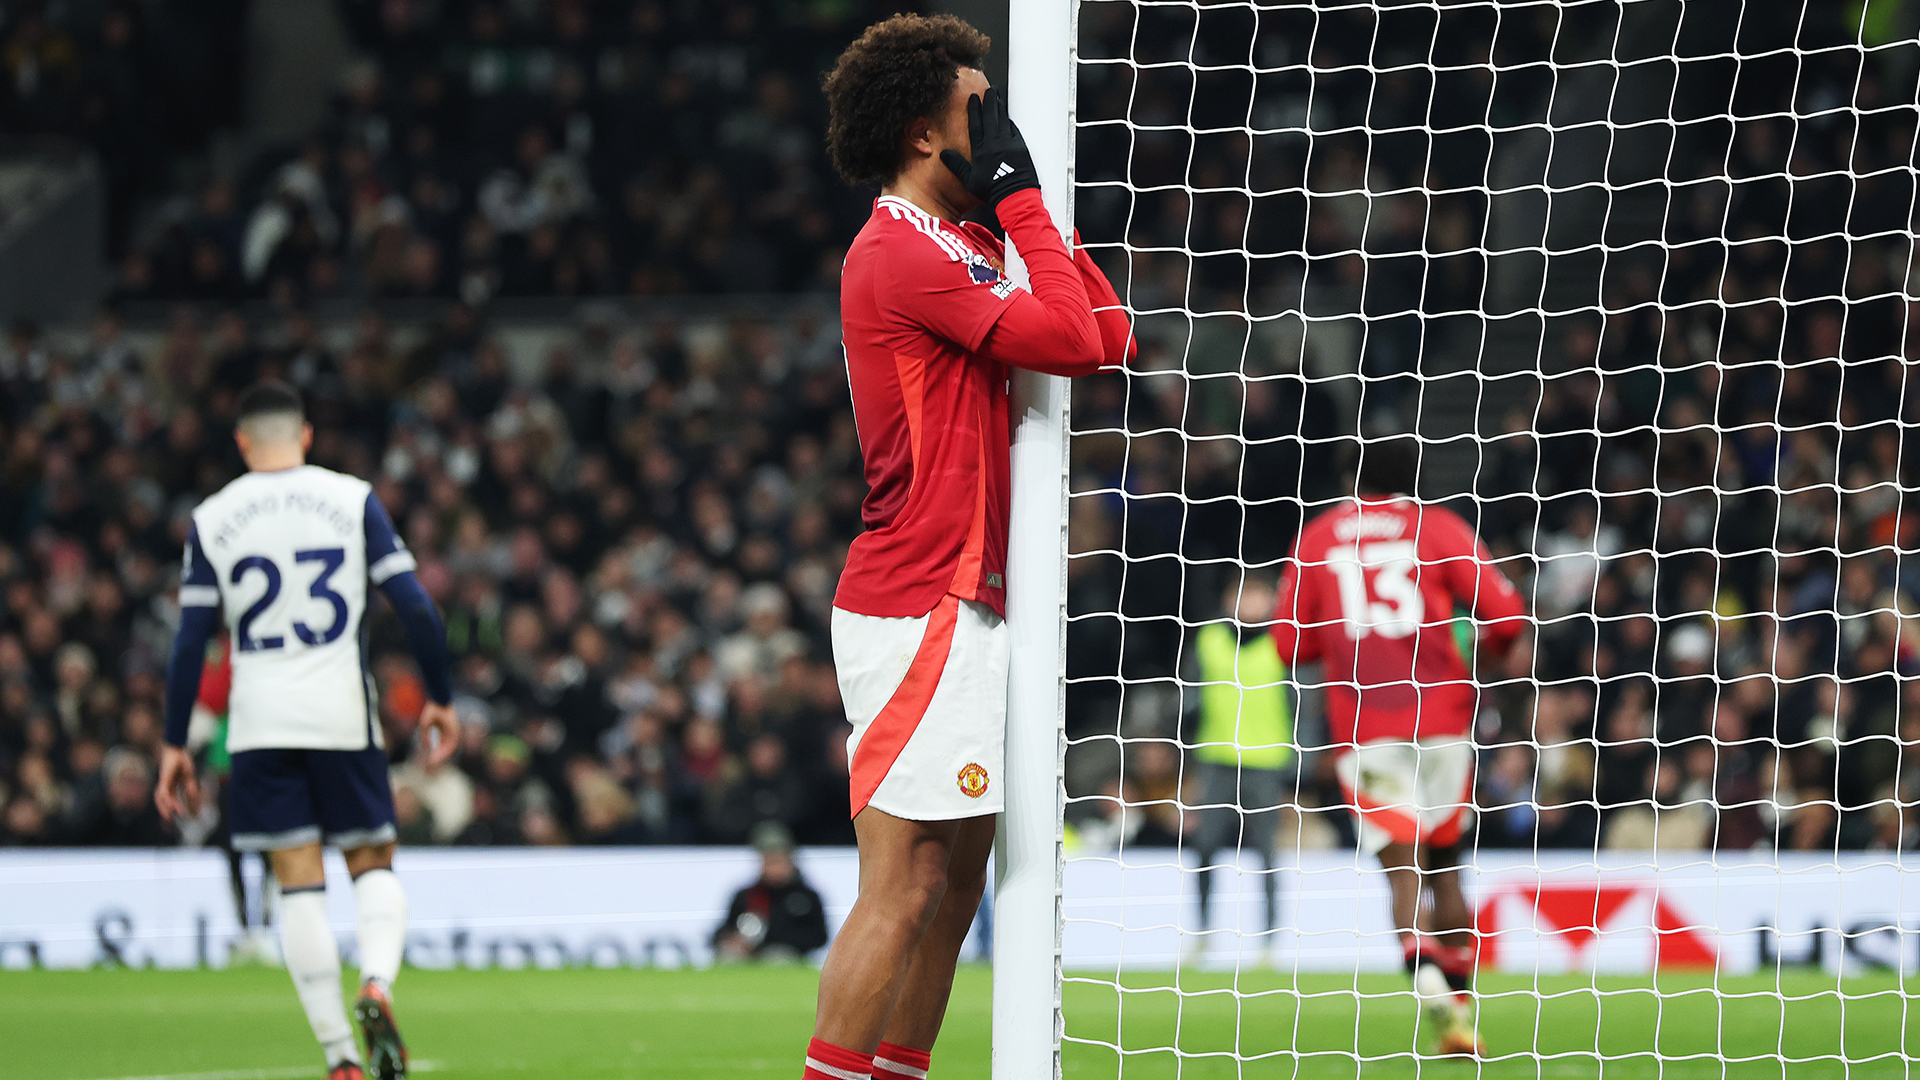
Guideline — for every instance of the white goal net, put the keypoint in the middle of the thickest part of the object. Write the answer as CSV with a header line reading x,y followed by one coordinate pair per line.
x,y
1640,277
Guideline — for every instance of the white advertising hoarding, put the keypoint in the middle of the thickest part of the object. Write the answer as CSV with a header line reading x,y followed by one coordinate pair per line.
x,y
516,907
472,907
1623,913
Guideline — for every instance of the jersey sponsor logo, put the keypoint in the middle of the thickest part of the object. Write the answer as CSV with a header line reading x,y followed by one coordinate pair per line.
x,y
973,780
1004,288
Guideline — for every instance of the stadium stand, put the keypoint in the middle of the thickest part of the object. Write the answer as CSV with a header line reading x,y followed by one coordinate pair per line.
x,y
635,527
143,85
633,519
491,149
1665,405
635,546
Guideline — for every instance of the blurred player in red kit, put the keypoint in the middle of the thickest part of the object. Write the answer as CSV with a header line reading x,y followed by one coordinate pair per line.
x,y
1370,592
933,328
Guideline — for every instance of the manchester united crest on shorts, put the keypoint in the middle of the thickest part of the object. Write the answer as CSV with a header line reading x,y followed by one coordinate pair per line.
x,y
973,781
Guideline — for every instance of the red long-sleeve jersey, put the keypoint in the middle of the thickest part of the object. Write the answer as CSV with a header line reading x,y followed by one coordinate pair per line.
x,y
1371,590
932,326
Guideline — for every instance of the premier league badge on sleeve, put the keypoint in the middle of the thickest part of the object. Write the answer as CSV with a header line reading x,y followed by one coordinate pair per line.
x,y
982,271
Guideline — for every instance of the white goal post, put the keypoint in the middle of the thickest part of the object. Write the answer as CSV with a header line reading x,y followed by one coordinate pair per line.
x,y
1027,1015
1640,278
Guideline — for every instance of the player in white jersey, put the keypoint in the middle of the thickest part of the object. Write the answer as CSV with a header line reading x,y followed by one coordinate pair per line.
x,y
286,552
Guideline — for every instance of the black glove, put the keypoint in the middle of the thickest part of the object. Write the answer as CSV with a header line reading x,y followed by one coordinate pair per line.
x,y
1001,163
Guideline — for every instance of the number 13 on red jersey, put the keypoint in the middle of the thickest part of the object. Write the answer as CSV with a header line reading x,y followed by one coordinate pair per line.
x,y
1378,594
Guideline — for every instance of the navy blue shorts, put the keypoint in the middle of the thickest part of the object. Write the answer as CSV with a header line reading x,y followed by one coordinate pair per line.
x,y
286,798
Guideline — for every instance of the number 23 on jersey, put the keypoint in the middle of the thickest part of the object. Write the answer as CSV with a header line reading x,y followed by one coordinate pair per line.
x,y
329,560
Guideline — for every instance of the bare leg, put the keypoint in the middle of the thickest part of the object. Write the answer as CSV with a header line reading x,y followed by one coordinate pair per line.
x,y
922,1004
1403,878
298,868
372,857
1452,919
903,880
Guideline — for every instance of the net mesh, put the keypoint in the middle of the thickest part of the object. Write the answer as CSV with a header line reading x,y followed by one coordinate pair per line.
x,y
1640,277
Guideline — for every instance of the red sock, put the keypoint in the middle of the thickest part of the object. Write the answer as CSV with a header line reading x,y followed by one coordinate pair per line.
x,y
895,1062
826,1061
1457,964
1411,953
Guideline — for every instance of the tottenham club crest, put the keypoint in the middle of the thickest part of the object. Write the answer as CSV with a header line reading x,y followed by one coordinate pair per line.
x,y
973,780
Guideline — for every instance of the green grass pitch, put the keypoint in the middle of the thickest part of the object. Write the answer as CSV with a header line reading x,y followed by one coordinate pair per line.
x,y
726,1023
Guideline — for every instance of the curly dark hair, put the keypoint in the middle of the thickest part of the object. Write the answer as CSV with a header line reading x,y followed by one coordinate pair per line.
x,y
898,71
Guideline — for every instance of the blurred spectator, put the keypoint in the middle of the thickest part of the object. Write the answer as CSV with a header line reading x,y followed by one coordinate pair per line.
x,y
1668,820
767,791
779,916
116,808
763,645
412,820
1159,790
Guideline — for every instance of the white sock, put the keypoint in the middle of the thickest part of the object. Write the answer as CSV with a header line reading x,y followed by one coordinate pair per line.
x,y
313,959
382,924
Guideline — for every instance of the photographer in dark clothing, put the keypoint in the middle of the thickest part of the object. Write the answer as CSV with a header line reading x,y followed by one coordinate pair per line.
x,y
779,916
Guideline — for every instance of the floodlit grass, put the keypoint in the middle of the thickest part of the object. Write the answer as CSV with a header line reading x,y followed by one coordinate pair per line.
x,y
726,1023
1267,1025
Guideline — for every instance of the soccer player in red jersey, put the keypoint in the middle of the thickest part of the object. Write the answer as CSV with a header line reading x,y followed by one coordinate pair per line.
x,y
1370,591
932,328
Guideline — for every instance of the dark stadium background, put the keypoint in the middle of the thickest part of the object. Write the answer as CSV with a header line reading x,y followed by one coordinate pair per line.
x,y
560,279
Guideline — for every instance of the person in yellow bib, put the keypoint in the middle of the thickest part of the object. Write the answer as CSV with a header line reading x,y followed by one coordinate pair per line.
x,y
1243,744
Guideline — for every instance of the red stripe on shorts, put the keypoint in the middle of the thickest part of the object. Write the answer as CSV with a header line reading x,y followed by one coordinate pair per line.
x,y
1447,833
887,735
1403,827
1400,826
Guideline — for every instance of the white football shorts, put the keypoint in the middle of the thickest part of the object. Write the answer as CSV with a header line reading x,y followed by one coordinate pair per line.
x,y
1409,792
927,698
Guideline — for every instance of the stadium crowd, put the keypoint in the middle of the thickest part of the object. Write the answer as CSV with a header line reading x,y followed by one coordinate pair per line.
x,y
1729,617
1728,643
1726,655
635,552
566,148
1702,491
